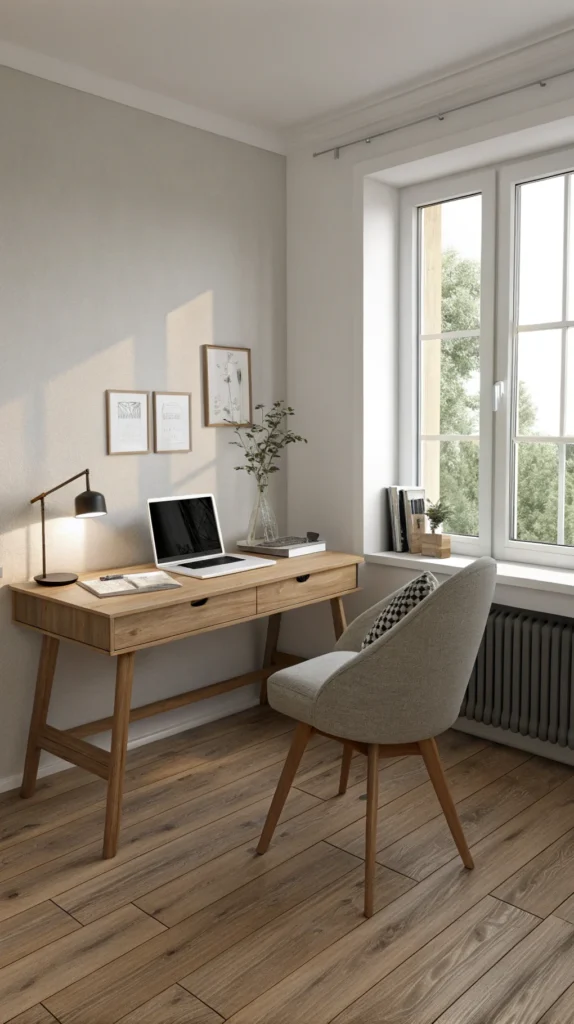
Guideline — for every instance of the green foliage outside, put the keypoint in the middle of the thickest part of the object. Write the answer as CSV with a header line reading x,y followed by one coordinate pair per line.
x,y
537,484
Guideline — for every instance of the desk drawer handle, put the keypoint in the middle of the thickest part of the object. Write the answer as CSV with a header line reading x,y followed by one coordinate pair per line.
x,y
303,579
200,603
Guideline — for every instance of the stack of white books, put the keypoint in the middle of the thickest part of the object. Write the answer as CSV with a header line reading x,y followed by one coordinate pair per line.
x,y
284,547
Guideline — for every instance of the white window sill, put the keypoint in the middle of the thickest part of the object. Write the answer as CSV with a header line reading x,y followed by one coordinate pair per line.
x,y
512,574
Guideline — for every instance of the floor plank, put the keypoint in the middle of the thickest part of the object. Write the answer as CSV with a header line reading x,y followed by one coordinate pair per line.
x,y
185,756
174,1006
236,783
79,866
221,933
36,1015
430,846
137,877
190,892
426,984
524,984
236,977
341,974
33,929
37,976
122,986
562,1011
545,882
408,812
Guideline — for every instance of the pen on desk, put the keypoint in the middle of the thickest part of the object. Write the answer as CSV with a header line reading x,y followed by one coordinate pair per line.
x,y
119,576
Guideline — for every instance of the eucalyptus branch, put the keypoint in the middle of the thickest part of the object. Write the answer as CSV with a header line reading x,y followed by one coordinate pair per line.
x,y
264,442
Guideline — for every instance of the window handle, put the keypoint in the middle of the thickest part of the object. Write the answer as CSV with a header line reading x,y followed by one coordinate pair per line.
x,y
498,393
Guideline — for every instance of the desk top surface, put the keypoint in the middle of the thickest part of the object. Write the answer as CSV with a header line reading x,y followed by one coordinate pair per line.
x,y
191,589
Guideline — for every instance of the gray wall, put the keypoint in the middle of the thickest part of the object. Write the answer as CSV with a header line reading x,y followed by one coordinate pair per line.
x,y
126,242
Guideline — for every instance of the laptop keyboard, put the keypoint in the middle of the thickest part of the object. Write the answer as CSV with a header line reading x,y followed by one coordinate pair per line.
x,y
205,563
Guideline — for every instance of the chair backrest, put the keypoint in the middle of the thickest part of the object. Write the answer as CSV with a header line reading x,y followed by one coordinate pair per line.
x,y
409,684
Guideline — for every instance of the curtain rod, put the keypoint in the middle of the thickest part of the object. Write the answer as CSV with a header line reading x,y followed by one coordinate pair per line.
x,y
541,82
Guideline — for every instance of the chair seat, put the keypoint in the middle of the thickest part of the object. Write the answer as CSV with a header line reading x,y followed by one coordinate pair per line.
x,y
293,691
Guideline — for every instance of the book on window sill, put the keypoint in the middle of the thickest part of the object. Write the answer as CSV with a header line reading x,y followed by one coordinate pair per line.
x,y
132,583
284,547
406,507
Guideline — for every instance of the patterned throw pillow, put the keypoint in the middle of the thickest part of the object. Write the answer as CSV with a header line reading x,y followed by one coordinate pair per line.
x,y
401,605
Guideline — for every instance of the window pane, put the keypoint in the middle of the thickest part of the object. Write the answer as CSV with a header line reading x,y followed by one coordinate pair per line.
x,y
451,238
539,373
537,492
541,245
570,382
570,313
450,386
450,472
569,511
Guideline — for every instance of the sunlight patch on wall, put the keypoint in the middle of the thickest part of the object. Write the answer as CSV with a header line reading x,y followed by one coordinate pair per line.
x,y
187,329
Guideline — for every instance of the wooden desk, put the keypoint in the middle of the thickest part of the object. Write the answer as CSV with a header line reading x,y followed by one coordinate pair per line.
x,y
120,626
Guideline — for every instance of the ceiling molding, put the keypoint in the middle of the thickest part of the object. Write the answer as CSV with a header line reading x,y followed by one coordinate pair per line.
x,y
41,66
422,98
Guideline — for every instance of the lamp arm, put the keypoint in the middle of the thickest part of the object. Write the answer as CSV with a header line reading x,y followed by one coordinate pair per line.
x,y
84,472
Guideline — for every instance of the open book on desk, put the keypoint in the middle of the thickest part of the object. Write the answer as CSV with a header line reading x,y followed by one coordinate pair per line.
x,y
132,583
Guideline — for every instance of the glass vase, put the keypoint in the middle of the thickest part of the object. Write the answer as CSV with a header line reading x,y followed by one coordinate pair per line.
x,y
262,523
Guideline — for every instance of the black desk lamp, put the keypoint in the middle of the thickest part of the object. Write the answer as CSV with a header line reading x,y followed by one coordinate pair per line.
x,y
88,504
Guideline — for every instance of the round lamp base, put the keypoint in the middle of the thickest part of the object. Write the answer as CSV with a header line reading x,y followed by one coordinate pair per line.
x,y
56,579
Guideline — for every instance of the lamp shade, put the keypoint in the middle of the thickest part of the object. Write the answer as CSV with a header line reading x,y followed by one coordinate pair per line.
x,y
90,503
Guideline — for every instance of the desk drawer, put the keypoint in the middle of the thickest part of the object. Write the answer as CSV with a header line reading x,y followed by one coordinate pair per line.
x,y
305,589
165,623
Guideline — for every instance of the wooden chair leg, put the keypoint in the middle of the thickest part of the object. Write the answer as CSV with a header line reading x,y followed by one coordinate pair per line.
x,y
273,627
118,751
345,767
292,762
371,826
44,680
429,751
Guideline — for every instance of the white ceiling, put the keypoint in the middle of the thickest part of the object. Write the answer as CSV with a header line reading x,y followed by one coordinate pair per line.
x,y
274,63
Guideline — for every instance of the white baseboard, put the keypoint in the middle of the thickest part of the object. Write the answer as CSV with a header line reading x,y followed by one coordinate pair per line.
x,y
186,718
515,739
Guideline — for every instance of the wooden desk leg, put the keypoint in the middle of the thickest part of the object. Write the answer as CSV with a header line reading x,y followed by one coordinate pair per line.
x,y
120,726
273,627
339,617
44,680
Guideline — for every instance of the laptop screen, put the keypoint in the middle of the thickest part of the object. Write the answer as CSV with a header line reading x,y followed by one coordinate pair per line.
x,y
183,527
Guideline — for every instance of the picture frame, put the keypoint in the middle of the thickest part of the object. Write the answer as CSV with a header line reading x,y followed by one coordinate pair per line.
x,y
127,422
171,421
227,391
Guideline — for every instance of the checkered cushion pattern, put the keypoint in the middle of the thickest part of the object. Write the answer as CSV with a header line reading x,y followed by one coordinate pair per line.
x,y
404,602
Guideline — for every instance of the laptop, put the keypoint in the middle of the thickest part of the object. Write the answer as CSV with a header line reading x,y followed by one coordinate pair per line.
x,y
186,538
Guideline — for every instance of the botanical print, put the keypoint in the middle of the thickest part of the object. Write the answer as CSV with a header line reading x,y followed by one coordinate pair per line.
x,y
129,424
127,419
172,422
228,386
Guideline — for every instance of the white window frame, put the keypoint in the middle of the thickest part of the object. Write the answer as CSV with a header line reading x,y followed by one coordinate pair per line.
x,y
411,200
510,176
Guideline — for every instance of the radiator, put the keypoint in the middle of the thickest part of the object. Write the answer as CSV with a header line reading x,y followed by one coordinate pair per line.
x,y
523,678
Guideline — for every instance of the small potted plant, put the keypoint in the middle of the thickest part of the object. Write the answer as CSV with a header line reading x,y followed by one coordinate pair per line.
x,y
434,544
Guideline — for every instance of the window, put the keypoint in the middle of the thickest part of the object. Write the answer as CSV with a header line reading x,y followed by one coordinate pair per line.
x,y
501,457
448,244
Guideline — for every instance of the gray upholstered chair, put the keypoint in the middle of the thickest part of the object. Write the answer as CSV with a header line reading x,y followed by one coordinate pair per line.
x,y
391,699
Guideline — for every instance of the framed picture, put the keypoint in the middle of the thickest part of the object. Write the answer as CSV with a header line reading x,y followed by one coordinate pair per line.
x,y
127,416
171,421
227,386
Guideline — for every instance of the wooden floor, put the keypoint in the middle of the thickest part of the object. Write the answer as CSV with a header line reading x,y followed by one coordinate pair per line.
x,y
188,926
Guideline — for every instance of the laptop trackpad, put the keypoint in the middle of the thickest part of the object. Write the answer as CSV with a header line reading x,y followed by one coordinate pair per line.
x,y
205,563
